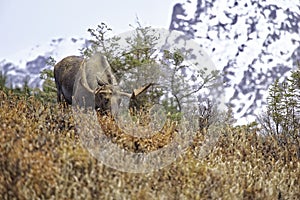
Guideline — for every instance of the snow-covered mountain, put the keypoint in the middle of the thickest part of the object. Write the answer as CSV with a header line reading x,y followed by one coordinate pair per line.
x,y
27,64
252,41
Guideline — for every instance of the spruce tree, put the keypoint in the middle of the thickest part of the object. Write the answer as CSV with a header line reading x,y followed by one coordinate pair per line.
x,y
275,109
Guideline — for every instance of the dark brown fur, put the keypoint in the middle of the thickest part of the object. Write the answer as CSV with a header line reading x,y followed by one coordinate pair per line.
x,y
65,73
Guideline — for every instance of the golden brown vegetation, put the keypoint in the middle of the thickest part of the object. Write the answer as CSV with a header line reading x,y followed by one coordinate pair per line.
x,y
41,157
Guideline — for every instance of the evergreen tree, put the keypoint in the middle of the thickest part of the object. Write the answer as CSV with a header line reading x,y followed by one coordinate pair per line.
x,y
283,110
140,63
275,108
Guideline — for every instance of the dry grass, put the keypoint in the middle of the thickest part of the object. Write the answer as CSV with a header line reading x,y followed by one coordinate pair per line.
x,y
41,157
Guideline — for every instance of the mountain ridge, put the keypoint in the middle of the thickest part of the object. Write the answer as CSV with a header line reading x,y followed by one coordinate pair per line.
x,y
28,68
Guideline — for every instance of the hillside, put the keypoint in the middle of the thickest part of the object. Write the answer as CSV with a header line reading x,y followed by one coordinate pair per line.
x,y
41,157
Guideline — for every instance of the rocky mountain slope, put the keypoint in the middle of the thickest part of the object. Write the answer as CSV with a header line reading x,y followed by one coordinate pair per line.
x,y
252,42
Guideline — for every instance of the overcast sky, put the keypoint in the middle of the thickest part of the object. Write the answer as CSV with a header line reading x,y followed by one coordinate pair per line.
x,y
25,23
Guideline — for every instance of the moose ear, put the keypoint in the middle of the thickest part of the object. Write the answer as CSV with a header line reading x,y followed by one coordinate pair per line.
x,y
140,90
104,90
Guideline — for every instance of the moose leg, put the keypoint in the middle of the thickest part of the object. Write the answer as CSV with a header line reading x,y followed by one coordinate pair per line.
x,y
59,94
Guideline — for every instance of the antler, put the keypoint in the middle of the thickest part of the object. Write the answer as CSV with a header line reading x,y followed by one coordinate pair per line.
x,y
86,87
140,90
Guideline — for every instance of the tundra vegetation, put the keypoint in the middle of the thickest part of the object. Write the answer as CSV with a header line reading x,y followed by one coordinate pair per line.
x,y
41,155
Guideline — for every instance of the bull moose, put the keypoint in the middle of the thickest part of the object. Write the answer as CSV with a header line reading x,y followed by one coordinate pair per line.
x,y
89,83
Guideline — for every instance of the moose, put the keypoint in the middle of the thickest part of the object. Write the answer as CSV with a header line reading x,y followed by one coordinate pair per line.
x,y
90,83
